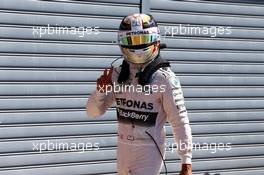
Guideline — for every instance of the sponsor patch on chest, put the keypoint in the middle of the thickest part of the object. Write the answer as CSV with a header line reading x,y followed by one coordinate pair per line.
x,y
136,117
134,103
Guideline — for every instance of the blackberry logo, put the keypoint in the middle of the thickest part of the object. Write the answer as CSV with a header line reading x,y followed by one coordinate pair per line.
x,y
141,118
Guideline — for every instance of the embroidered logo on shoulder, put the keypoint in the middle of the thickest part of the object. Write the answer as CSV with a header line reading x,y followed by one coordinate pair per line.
x,y
175,82
164,72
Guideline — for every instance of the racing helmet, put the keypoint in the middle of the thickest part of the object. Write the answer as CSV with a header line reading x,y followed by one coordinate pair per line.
x,y
139,38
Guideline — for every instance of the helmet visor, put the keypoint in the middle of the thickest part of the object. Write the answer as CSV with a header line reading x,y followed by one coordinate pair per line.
x,y
139,55
133,40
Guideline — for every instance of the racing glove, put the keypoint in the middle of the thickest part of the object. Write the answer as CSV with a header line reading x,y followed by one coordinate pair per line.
x,y
105,81
186,169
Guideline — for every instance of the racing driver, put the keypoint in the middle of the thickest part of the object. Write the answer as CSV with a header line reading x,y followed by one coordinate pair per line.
x,y
150,95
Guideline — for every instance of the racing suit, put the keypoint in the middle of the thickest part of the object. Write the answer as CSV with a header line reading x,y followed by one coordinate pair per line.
x,y
142,110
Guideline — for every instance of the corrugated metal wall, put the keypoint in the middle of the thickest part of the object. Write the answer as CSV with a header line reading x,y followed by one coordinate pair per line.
x,y
45,82
222,79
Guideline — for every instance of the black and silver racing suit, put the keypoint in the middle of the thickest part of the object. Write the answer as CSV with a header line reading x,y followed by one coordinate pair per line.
x,y
139,111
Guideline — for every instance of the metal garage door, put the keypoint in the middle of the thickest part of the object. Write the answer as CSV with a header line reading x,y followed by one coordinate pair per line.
x,y
45,81
222,78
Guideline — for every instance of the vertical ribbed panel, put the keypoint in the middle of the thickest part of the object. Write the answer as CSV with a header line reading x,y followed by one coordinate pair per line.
x,y
214,63
46,79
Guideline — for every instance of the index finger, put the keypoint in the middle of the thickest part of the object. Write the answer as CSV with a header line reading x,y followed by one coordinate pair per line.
x,y
110,71
105,72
